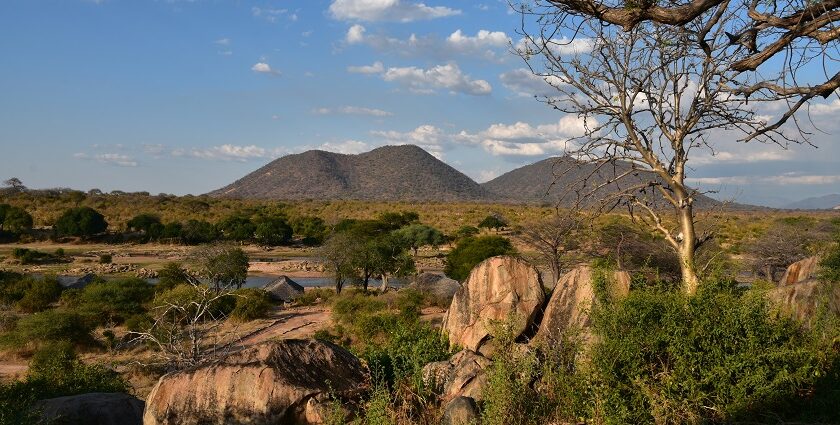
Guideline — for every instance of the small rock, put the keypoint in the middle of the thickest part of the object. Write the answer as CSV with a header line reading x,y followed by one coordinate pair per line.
x,y
460,411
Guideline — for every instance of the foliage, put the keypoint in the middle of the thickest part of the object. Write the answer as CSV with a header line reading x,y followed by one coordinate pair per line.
x,y
416,236
14,220
830,264
52,326
310,229
236,228
31,256
789,240
719,355
466,232
116,300
171,275
80,221
224,266
106,259
196,232
338,254
40,294
493,221
471,251
273,231
251,304
148,224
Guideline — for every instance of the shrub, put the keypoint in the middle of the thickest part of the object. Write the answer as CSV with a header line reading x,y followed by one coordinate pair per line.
x,y
82,221
31,256
170,276
471,251
40,295
52,326
312,296
115,300
830,265
251,304
717,356
106,259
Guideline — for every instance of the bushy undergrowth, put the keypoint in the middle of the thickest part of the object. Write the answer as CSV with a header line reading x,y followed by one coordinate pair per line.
x,y
251,304
54,371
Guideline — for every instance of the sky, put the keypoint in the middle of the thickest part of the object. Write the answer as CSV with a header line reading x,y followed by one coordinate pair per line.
x,y
186,96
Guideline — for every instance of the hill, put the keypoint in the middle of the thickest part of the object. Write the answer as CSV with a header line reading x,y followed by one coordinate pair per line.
x,y
556,179
826,202
388,173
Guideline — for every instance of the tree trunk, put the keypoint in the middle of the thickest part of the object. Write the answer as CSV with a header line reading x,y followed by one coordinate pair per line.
x,y
384,286
687,248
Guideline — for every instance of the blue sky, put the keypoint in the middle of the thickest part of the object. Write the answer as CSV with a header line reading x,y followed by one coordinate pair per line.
x,y
186,96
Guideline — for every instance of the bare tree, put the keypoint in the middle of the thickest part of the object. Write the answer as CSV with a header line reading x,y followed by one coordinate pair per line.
x,y
786,49
552,237
650,98
183,321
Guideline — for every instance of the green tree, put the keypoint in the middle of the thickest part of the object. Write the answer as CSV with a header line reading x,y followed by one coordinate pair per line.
x,y
14,220
149,224
196,232
494,222
420,235
226,267
273,231
40,294
396,220
237,228
309,228
171,275
337,253
115,300
82,221
471,251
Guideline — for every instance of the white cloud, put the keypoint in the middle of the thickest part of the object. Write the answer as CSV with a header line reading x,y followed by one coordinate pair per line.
x,y
426,136
272,15
222,42
825,108
523,82
355,35
482,40
524,139
264,68
109,158
353,110
387,10
447,77
229,152
346,147
745,157
784,179
375,68
560,47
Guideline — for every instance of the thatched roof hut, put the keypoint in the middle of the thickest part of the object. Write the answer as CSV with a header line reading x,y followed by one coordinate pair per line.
x,y
283,289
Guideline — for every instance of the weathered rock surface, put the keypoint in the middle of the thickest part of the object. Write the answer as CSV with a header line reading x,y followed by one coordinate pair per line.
x,y
572,300
283,289
274,382
460,411
462,375
805,299
437,285
801,271
92,409
498,288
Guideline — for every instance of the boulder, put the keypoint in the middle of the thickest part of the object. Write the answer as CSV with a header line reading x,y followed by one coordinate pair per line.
x,y
460,411
801,271
92,409
462,375
572,300
497,289
287,381
283,289
805,299
437,285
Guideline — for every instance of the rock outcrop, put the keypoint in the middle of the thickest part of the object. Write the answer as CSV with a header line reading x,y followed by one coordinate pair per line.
x,y
437,285
283,289
462,375
288,381
460,411
804,300
572,300
497,289
801,271
92,409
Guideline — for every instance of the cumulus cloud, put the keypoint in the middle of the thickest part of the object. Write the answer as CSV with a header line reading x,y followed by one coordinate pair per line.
x,y
784,179
272,15
449,77
353,110
387,10
229,152
345,147
825,108
117,159
745,157
426,136
374,68
355,35
563,46
264,68
482,40
523,82
524,139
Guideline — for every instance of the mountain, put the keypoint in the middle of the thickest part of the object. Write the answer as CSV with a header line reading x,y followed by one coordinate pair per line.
x,y
554,179
826,202
390,173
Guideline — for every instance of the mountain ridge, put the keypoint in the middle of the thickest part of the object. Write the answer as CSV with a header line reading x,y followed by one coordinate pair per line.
x,y
825,202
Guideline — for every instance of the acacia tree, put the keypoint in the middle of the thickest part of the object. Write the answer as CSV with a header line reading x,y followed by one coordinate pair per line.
x,y
552,237
650,98
786,49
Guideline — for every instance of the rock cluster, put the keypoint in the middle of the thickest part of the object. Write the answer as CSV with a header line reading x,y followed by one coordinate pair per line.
x,y
287,381
436,285
92,409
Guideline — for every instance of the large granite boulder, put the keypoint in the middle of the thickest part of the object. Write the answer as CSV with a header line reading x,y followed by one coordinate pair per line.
x,y
497,289
462,375
804,300
801,271
460,411
437,285
572,300
92,409
283,289
288,381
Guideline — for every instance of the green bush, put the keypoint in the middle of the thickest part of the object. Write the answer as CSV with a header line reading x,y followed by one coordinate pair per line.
x,y
31,256
251,304
311,296
54,371
82,221
830,265
471,251
52,326
171,275
40,295
720,355
115,300
106,259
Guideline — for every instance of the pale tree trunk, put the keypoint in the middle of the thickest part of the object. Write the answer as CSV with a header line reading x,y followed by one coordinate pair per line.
x,y
687,247
384,286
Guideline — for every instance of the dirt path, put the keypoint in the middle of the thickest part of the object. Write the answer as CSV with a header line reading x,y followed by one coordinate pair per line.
x,y
10,371
297,322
